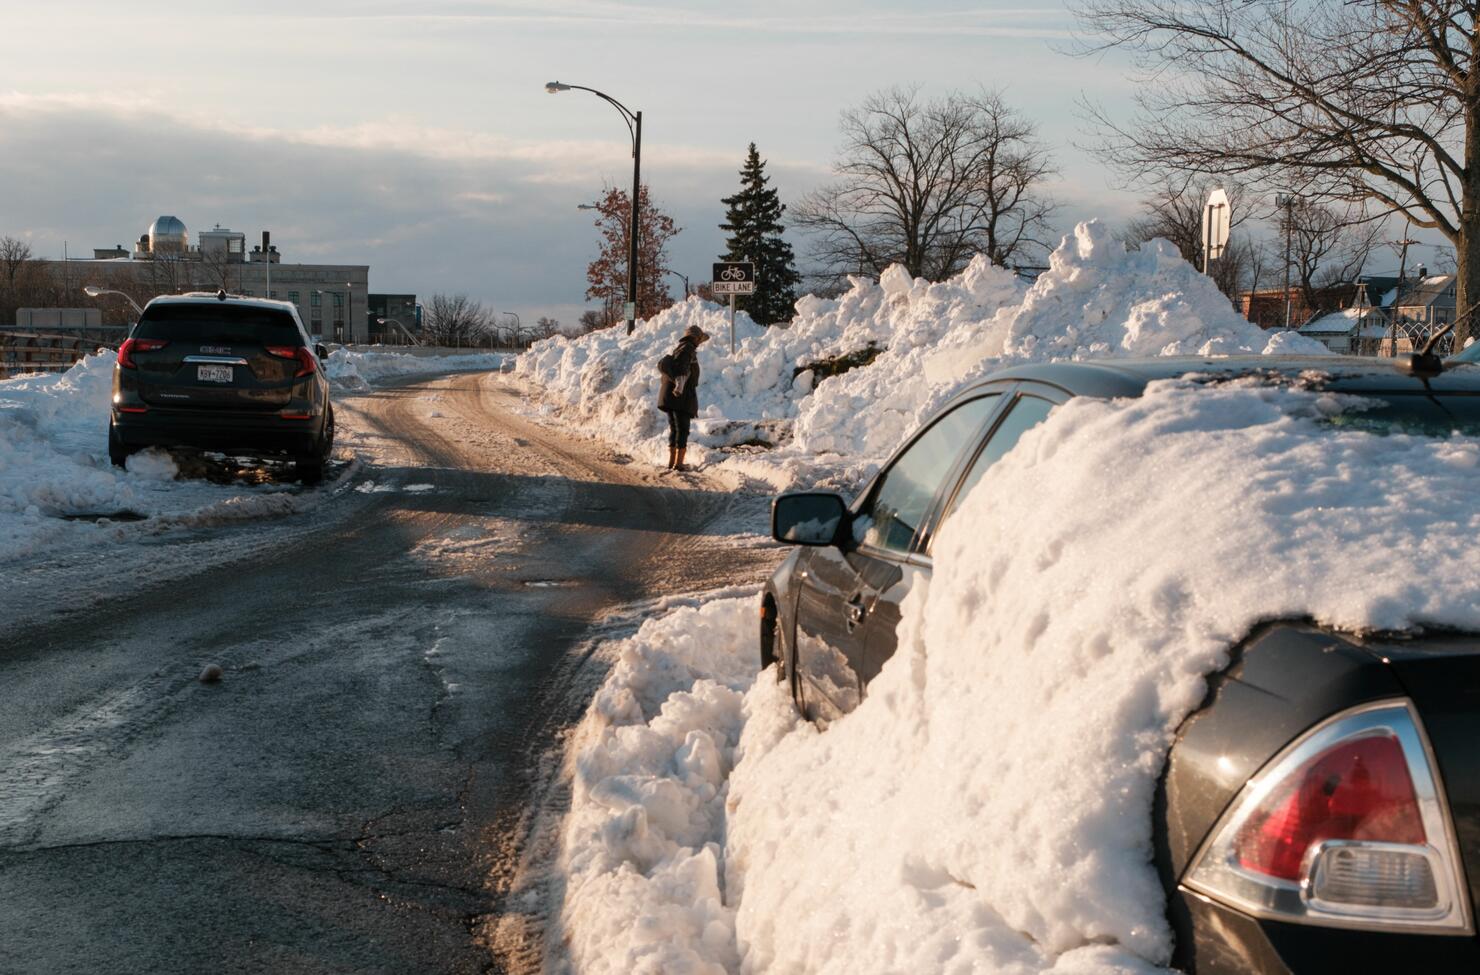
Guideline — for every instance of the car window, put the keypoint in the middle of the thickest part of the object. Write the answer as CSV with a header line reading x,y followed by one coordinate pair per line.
x,y
1024,415
221,323
903,493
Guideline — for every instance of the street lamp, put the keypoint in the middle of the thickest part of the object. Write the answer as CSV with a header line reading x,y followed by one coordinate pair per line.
x,y
93,291
404,331
634,127
518,334
685,281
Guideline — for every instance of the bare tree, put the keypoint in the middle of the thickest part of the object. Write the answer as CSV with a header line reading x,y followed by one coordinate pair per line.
x,y
591,321
1327,247
15,257
455,320
219,271
546,327
14,254
929,184
1374,103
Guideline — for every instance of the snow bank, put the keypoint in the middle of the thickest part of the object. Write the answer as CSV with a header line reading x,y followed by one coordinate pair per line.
x,y
1096,299
54,465
988,806
361,370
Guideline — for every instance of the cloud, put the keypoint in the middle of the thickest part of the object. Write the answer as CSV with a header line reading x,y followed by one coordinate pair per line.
x,y
430,210
824,18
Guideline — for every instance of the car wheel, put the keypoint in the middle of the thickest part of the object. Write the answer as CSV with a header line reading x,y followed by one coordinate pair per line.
x,y
768,639
311,469
795,683
118,451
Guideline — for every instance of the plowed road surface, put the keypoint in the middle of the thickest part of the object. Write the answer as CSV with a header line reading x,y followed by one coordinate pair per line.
x,y
373,784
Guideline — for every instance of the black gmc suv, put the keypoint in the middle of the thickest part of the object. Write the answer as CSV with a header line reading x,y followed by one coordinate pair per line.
x,y
219,372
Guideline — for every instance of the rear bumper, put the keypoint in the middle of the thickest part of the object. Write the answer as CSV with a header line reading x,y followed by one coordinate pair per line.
x,y
219,430
1216,940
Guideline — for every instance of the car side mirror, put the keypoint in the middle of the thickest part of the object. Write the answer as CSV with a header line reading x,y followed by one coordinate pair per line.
x,y
808,518
321,352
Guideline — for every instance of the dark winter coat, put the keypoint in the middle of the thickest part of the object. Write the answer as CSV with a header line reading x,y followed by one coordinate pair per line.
x,y
682,361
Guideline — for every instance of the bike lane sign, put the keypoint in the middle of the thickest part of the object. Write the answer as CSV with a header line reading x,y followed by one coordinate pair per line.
x,y
734,278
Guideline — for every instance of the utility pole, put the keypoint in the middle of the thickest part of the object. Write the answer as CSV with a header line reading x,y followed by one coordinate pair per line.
x,y
1403,244
1287,201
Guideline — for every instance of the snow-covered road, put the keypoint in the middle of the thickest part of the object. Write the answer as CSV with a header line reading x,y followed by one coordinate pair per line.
x,y
363,789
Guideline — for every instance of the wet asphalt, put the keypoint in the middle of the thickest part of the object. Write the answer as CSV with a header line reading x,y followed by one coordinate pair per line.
x,y
374,778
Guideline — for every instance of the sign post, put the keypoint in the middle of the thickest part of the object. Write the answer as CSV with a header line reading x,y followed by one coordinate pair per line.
x,y
734,278
1215,226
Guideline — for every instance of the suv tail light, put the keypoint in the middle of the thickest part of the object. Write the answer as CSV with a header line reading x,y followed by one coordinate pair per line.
x,y
1347,827
130,346
307,364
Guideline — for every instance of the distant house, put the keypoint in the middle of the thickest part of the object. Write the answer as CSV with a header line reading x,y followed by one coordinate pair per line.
x,y
1415,310
1429,301
1266,307
1351,331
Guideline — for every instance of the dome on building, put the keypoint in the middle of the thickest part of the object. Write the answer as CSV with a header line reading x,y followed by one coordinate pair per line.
x,y
168,233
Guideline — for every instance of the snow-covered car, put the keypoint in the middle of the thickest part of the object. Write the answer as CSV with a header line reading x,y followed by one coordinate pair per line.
x,y
1320,811
220,372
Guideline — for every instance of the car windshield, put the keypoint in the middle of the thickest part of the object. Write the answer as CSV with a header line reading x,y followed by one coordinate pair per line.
x,y
219,322
1430,416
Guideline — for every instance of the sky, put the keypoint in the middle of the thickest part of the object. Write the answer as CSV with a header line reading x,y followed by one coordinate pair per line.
x,y
418,138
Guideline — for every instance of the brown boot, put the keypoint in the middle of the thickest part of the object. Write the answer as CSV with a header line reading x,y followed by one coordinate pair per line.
x,y
678,460
672,457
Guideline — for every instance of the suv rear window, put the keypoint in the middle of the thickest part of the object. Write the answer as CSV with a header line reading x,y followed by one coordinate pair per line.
x,y
221,323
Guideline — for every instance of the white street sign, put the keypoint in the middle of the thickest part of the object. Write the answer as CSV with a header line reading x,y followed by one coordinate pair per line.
x,y
1216,221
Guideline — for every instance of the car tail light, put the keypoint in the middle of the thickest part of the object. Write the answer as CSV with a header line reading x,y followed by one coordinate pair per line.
x,y
307,364
130,346
1347,827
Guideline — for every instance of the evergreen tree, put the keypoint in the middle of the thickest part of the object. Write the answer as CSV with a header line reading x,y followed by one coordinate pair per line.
x,y
753,225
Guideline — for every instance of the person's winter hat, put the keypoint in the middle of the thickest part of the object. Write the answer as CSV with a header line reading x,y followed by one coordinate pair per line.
x,y
696,333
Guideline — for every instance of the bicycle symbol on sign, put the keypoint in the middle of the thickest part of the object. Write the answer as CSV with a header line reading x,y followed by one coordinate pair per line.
x,y
732,274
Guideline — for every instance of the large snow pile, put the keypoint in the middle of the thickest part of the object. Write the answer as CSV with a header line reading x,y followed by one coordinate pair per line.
x,y
361,370
1096,299
988,805
54,466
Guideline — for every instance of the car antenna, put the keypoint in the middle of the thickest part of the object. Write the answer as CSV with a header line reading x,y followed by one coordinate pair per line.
x,y
1426,362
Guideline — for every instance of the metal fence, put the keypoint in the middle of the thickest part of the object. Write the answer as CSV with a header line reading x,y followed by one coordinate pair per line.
x,y
27,352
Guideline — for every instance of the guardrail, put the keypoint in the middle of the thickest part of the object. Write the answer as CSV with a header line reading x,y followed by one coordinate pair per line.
x,y
26,352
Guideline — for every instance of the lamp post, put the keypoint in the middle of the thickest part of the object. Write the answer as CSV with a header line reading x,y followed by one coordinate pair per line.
x,y
349,319
93,291
634,127
518,326
685,278
404,330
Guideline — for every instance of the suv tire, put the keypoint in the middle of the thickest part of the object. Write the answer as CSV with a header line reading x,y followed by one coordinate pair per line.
x,y
311,468
118,451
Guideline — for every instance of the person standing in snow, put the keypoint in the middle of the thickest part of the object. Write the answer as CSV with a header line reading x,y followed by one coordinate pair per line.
x,y
678,392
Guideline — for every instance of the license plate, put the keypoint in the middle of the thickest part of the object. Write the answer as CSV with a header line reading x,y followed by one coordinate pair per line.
x,y
213,374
